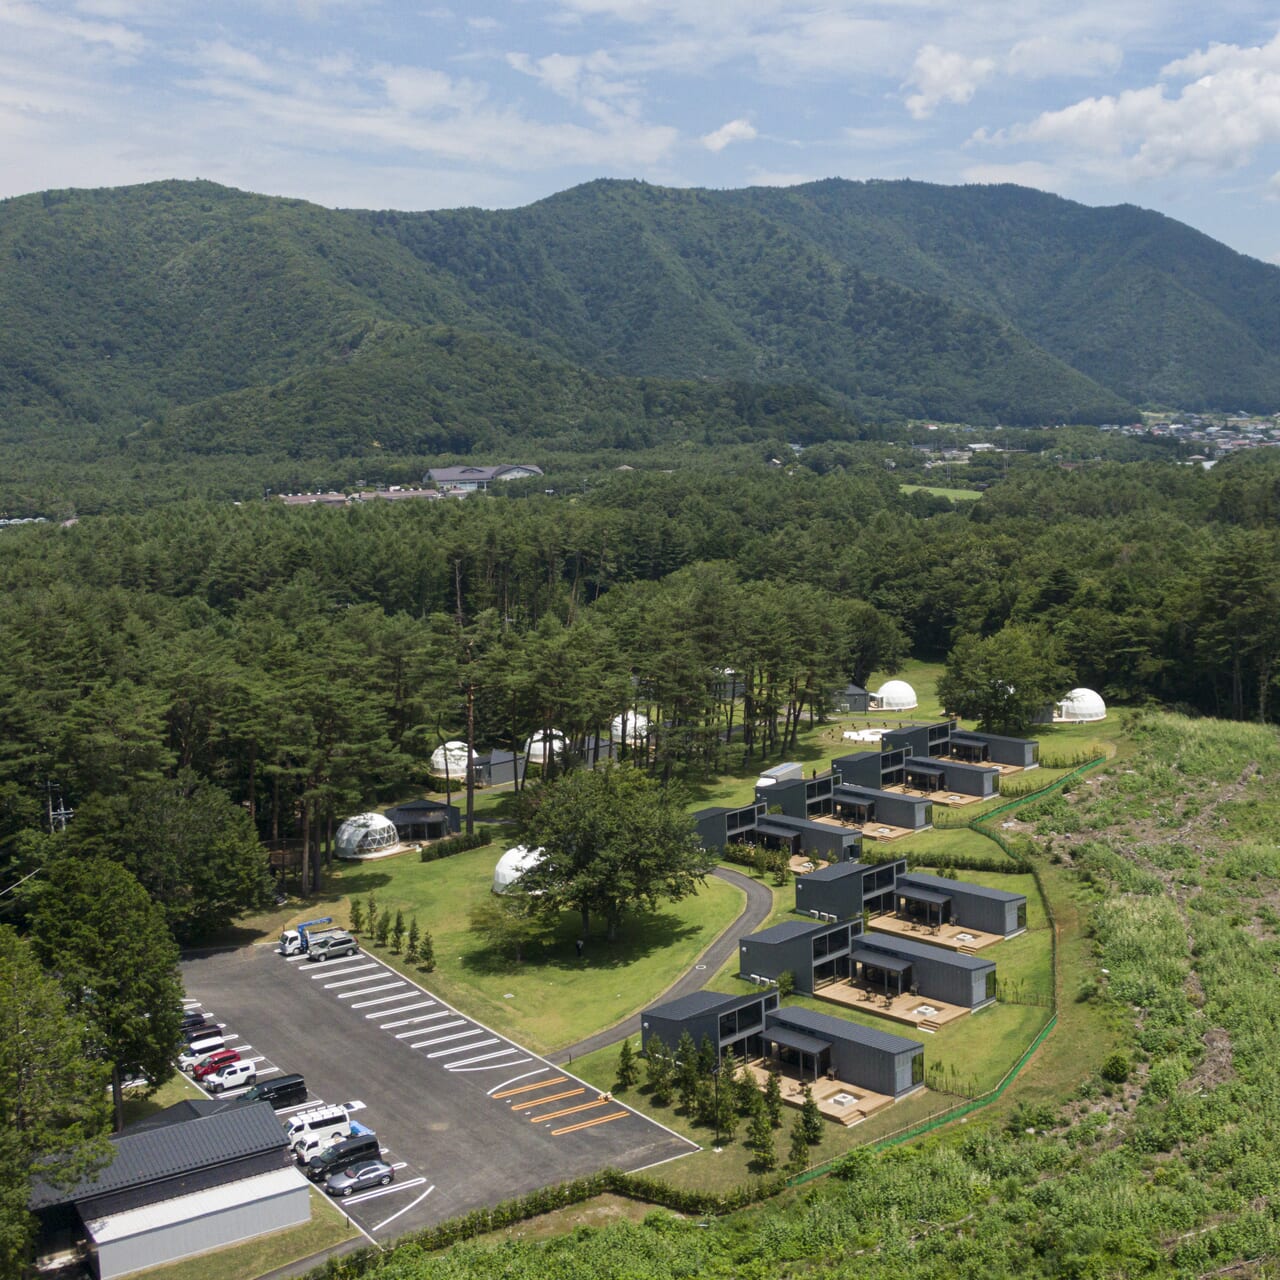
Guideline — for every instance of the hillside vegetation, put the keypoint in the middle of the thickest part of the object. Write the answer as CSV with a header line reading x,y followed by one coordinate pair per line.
x,y
566,320
1161,1161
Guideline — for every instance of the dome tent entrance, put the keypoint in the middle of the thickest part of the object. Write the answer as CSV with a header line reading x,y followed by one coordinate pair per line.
x,y
895,695
1080,706
365,833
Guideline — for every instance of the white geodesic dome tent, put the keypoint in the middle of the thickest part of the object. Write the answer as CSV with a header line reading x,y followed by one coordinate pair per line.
x,y
896,695
512,865
637,728
451,759
365,833
544,744
1081,706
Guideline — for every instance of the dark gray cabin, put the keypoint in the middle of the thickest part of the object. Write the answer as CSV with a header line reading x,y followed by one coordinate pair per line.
x,y
729,1022
847,889
898,966
940,900
813,952
818,1044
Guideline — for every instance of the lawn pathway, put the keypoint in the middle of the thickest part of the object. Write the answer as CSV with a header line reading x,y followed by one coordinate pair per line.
x,y
754,914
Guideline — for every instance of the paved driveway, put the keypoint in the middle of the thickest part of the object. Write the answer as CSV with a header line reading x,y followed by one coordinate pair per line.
x,y
468,1116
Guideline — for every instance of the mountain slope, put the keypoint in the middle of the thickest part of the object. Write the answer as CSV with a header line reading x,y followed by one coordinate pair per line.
x,y
1146,306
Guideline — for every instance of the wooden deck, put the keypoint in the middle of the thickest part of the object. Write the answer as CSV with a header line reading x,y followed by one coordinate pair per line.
x,y
921,1012
801,864
948,799
951,936
846,1104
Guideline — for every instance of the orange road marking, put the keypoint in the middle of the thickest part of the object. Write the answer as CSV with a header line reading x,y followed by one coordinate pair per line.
x,y
568,1111
524,1088
524,1105
586,1124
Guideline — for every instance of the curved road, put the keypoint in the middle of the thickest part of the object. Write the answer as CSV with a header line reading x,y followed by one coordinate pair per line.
x,y
759,905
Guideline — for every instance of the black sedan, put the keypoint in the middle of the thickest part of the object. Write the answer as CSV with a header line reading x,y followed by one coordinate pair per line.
x,y
360,1177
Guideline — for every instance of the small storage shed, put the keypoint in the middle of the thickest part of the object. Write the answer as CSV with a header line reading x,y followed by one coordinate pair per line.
x,y
425,819
865,1057
852,698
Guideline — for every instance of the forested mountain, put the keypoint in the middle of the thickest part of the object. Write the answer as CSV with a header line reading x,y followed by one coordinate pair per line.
x,y
153,315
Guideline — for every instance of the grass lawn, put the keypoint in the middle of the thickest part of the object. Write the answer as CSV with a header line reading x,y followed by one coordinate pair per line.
x,y
552,999
258,1257
176,1089
956,495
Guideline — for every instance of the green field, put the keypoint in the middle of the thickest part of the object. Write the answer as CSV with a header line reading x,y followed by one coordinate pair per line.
x,y
552,999
956,495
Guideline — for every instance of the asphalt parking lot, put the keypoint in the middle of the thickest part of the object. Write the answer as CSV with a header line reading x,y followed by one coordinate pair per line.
x,y
466,1116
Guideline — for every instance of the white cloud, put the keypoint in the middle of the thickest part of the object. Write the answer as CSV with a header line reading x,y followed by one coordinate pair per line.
x,y
1023,173
54,26
734,131
420,90
1221,120
943,76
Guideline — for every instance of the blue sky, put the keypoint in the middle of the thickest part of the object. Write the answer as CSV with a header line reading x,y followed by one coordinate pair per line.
x,y
394,104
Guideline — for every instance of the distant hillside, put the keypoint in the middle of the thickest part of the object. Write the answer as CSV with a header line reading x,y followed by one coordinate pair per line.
x,y
187,312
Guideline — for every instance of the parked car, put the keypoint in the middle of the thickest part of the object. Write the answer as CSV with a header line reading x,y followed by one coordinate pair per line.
x,y
207,1066
281,1091
193,1018
200,1031
231,1075
199,1049
372,1173
332,945
362,1146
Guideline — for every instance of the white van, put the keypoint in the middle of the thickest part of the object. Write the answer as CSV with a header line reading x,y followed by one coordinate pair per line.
x,y
198,1049
307,1149
235,1075
320,1123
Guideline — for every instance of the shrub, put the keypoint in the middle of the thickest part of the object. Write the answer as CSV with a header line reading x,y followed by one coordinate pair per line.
x,y
383,930
786,984
628,1073
426,952
450,845
1115,1069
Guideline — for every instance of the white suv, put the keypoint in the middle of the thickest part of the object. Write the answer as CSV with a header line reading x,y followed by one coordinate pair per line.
x,y
235,1075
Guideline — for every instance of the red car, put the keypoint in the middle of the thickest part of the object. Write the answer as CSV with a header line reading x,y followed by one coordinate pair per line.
x,y
207,1066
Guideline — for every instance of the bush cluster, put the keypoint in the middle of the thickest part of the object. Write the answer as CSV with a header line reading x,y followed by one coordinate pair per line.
x,y
450,845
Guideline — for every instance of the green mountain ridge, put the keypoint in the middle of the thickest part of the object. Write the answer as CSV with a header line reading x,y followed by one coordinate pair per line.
x,y
186,311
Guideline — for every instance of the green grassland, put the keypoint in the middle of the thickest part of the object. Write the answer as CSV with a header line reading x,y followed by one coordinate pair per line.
x,y
552,999
956,495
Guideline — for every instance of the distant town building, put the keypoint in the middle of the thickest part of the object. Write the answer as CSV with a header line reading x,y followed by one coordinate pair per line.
x,y
470,479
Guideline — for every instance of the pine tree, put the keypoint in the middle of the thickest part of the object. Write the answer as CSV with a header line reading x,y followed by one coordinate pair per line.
x,y
760,1140
383,931
708,1059
658,1071
371,913
397,932
798,1156
427,952
627,1072
687,1071
810,1119
415,938
357,916
773,1100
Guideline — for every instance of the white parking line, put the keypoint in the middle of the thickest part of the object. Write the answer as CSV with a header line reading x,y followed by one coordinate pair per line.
x,y
466,1062
368,991
333,970
364,1004
404,1008
352,982
528,1075
463,1048
493,1066
429,1017
444,1026
383,1191
406,1209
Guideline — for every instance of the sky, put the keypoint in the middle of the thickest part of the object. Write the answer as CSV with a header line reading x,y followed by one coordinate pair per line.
x,y
498,103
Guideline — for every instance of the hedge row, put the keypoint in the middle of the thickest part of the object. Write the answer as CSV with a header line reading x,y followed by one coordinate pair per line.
x,y
455,844
561,1196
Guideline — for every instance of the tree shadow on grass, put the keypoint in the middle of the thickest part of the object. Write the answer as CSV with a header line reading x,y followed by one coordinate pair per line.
x,y
639,936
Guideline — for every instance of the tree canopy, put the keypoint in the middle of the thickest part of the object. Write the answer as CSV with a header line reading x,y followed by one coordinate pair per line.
x,y
1004,680
615,841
